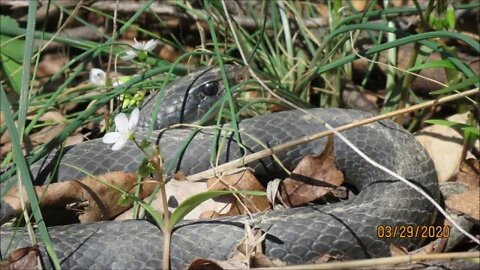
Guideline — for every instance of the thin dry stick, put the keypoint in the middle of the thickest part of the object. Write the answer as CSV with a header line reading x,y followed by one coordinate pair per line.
x,y
114,31
343,138
281,147
380,261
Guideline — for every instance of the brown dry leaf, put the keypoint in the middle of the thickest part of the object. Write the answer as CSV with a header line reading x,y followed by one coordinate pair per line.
x,y
205,264
445,146
46,134
360,5
326,258
53,116
467,203
180,176
50,64
469,173
313,177
21,258
74,139
97,201
244,180
250,250
433,247
396,250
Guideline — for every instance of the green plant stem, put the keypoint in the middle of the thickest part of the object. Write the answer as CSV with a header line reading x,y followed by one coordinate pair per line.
x,y
408,79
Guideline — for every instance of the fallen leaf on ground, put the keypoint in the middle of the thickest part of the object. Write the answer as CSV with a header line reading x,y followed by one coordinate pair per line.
x,y
21,258
250,250
243,180
396,250
445,146
314,177
467,203
177,192
433,247
326,258
469,173
95,200
206,264
50,64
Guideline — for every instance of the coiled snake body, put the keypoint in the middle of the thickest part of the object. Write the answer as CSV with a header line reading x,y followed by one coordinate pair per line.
x,y
297,235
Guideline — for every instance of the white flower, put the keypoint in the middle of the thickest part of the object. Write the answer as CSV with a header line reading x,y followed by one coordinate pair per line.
x,y
125,129
140,47
98,76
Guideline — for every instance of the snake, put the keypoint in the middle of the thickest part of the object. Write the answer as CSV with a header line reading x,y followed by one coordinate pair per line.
x,y
300,235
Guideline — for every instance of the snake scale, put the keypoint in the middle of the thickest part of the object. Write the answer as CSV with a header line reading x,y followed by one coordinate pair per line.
x,y
297,235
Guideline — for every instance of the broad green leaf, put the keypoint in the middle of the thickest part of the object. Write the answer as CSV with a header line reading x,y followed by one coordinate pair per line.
x,y
13,71
12,47
11,56
189,204
433,64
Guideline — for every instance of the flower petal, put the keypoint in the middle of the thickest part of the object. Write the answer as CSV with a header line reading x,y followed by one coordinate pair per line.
x,y
138,45
121,123
121,142
129,55
97,76
111,137
132,122
116,82
151,45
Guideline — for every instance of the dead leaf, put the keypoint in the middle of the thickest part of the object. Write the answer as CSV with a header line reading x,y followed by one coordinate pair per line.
x,y
244,180
360,5
74,139
205,264
396,250
250,250
469,173
445,146
180,176
98,201
50,64
467,203
46,134
21,258
433,247
326,258
313,177
53,116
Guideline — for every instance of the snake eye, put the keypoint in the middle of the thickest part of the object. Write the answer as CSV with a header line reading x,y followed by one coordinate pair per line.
x,y
209,88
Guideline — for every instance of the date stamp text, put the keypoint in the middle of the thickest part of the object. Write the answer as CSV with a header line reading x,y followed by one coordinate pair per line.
x,y
413,231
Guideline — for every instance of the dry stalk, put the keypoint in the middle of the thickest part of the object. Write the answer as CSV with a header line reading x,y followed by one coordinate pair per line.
x,y
390,261
306,139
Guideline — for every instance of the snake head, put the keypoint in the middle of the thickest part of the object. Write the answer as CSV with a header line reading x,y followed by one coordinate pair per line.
x,y
187,99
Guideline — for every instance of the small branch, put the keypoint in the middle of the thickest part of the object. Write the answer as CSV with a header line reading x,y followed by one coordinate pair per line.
x,y
369,263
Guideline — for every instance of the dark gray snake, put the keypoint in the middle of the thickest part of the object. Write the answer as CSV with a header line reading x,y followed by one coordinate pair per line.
x,y
296,235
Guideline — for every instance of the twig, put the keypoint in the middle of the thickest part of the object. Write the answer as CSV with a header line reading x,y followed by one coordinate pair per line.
x,y
281,147
380,261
